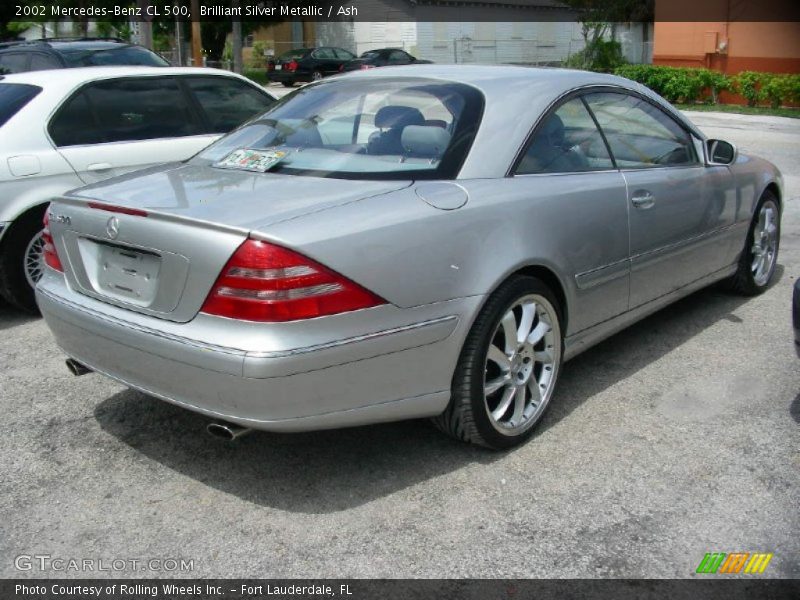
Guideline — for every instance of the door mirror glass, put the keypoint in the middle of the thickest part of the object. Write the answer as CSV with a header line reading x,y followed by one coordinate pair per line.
x,y
721,152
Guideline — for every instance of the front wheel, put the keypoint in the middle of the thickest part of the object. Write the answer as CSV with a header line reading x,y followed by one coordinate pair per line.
x,y
22,262
760,254
508,368
316,75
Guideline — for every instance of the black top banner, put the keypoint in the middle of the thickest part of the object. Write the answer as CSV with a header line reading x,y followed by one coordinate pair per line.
x,y
406,10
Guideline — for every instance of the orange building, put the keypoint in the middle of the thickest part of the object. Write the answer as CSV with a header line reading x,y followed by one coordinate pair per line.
x,y
729,47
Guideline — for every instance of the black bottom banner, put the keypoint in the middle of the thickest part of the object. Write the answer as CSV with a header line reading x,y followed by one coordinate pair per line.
x,y
401,589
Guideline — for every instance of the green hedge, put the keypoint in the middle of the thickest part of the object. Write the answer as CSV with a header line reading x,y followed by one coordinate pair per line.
x,y
689,85
257,75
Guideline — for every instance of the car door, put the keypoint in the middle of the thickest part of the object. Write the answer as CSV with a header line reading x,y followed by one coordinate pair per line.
x,y
111,127
325,61
677,215
576,192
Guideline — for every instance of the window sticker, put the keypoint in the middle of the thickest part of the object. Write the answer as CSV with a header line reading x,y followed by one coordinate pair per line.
x,y
249,159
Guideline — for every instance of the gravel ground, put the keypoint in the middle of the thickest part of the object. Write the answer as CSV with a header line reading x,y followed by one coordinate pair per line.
x,y
677,437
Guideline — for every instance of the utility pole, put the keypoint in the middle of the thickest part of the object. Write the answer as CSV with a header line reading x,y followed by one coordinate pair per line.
x,y
237,40
197,43
146,26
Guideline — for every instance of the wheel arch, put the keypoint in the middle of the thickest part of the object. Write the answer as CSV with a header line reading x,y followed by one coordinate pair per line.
x,y
547,276
24,215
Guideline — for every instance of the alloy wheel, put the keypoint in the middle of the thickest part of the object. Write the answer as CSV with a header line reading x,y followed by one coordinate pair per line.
x,y
34,259
765,243
521,364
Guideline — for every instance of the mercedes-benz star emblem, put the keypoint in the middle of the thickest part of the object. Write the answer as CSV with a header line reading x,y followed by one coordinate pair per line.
x,y
112,227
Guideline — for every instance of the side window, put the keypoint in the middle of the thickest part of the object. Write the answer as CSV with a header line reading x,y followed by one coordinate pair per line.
x,y
398,57
13,62
343,54
74,124
566,142
324,53
141,109
42,62
227,102
640,135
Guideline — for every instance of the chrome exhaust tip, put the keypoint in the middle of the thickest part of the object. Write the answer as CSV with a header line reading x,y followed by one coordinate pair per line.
x,y
227,431
77,368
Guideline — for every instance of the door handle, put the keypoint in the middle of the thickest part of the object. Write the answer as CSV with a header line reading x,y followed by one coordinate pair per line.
x,y
99,167
643,199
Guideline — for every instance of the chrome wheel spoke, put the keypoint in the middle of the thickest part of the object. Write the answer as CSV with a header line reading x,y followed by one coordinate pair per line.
x,y
499,358
539,332
495,384
509,324
526,322
519,405
505,402
536,391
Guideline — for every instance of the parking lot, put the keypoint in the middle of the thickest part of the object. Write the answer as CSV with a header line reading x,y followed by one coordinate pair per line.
x,y
677,437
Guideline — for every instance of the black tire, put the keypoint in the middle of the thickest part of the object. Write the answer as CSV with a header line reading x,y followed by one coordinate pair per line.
x,y
288,83
14,286
466,417
744,280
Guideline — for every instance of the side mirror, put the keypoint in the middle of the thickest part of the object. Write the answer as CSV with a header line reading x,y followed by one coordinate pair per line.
x,y
721,152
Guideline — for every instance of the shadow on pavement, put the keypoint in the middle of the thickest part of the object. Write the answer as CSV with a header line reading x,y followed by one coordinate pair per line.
x,y
328,471
11,317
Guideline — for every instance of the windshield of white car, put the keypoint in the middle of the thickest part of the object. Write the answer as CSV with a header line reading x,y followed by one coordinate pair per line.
x,y
13,96
383,128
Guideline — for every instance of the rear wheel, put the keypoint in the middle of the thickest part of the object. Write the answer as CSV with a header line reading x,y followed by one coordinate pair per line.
x,y
760,255
22,261
508,367
316,75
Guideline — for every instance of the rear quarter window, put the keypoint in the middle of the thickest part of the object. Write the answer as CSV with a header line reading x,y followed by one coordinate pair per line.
x,y
14,96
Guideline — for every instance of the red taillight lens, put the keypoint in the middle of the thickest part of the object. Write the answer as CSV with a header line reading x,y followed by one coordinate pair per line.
x,y
365,67
264,282
49,250
292,66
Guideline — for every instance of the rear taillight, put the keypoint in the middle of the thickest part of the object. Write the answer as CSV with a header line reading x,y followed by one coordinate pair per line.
x,y
49,249
365,67
264,282
292,66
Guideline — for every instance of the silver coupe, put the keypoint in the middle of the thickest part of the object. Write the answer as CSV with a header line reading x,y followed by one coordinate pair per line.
x,y
423,241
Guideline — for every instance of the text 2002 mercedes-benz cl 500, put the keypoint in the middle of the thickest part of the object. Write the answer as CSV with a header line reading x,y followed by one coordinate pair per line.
x,y
421,241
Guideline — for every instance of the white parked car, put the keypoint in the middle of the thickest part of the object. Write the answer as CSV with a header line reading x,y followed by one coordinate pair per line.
x,y
62,129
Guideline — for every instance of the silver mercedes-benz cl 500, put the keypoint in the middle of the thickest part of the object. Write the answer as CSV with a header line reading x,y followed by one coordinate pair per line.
x,y
424,241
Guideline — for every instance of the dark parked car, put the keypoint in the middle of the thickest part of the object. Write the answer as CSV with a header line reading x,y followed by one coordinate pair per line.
x,y
385,57
796,316
307,64
63,53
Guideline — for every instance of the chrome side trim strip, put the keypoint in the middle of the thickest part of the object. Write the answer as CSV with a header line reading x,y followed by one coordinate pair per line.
x,y
352,340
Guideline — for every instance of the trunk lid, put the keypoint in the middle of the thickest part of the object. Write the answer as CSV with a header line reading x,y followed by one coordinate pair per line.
x,y
164,264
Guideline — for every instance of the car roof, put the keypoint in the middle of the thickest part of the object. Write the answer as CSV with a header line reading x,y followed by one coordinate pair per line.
x,y
67,79
516,98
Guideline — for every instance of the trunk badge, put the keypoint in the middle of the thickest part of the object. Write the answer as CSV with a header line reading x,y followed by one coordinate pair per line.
x,y
112,227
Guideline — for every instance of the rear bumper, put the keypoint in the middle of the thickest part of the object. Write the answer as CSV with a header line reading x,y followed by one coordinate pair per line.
x,y
288,76
384,375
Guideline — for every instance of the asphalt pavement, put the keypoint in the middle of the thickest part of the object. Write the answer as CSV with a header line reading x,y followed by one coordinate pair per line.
x,y
677,437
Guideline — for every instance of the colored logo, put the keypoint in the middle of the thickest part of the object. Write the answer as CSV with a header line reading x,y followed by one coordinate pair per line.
x,y
735,562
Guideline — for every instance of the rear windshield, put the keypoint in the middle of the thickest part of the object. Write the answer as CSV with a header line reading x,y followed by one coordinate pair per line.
x,y
294,54
13,96
386,128
127,55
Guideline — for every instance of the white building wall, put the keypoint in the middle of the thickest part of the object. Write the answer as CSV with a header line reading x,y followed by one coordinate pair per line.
x,y
527,43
